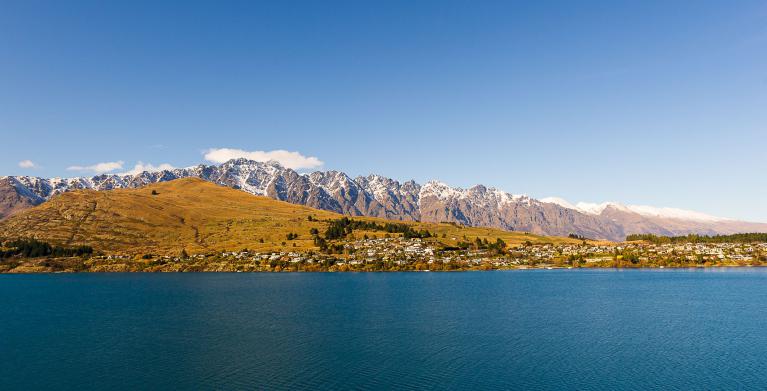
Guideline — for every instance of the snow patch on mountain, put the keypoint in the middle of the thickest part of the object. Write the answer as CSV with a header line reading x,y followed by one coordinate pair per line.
x,y
643,210
597,209
378,186
558,201
444,191
440,190
673,213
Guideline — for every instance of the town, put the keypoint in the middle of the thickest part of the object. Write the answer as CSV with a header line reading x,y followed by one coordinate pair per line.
x,y
403,249
416,254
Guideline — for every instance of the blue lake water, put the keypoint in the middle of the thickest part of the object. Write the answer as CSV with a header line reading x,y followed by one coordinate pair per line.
x,y
534,330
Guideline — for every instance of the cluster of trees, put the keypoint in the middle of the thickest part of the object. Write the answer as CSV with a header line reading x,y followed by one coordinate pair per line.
x,y
329,248
292,236
338,229
497,247
31,248
693,238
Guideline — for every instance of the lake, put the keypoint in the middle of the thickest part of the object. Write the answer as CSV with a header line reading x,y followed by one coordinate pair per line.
x,y
533,330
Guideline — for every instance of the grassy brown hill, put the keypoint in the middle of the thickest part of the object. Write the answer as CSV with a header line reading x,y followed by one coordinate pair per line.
x,y
197,216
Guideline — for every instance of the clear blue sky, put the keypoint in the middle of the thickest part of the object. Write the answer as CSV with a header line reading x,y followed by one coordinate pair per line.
x,y
642,102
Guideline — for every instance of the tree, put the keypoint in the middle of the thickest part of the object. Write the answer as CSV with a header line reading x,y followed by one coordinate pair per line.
x,y
31,248
154,192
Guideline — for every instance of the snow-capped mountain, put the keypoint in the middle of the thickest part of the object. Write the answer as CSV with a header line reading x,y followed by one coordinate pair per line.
x,y
644,210
378,196
660,221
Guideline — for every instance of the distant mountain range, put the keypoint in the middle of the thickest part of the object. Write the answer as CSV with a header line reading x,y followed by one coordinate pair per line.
x,y
201,217
377,196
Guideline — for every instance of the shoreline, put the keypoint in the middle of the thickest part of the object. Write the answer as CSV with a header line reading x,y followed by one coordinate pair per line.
x,y
29,270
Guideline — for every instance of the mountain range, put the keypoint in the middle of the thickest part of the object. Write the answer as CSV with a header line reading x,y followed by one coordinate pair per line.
x,y
202,217
377,196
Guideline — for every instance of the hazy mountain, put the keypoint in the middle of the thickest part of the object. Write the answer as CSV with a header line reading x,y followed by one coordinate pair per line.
x,y
378,196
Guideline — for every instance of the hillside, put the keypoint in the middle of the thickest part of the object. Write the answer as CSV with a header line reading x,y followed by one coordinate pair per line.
x,y
197,216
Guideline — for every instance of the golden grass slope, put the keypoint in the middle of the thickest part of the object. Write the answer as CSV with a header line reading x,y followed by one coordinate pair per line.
x,y
196,216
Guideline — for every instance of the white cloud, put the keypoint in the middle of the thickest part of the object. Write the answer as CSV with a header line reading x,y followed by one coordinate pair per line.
x,y
141,167
293,160
27,164
99,168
